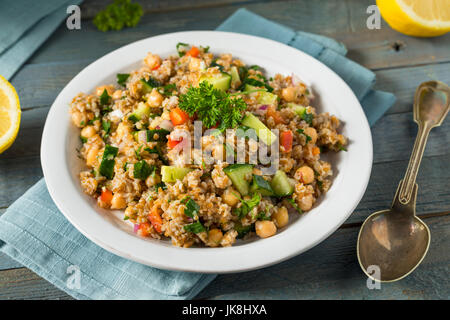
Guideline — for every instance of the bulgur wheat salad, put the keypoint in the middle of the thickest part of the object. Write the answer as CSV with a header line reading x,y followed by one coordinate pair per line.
x,y
134,136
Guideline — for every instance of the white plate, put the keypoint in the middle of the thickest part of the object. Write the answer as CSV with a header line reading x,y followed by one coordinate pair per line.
x,y
107,229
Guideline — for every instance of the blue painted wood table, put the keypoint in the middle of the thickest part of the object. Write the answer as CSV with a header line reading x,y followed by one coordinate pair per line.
x,y
329,270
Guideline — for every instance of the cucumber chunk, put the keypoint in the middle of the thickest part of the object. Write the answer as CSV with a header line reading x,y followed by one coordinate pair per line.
x,y
262,186
240,175
281,184
262,131
235,75
267,98
249,87
298,109
141,111
220,82
172,174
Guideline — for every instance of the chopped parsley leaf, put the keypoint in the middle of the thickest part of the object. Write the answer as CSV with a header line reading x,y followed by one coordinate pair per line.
x,y
195,227
105,98
142,170
182,51
122,78
192,208
301,131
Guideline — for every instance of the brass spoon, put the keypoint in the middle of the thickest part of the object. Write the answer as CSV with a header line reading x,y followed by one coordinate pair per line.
x,y
395,240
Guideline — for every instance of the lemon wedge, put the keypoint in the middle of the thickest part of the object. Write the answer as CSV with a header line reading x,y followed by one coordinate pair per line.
x,y
419,18
9,114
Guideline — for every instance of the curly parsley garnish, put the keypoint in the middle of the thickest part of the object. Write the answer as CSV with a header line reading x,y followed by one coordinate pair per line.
x,y
213,106
119,14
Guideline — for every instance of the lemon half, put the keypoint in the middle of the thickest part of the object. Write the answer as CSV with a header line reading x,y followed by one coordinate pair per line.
x,y
419,18
9,114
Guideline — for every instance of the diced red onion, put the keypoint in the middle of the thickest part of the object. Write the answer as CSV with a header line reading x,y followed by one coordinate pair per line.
x,y
136,227
295,79
167,125
263,107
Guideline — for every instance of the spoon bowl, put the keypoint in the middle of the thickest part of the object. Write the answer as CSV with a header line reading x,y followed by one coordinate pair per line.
x,y
394,242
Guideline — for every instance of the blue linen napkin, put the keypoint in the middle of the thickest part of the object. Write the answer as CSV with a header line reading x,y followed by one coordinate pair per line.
x,y
24,26
37,235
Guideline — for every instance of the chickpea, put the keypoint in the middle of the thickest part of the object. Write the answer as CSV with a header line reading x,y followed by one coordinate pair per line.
x,y
306,202
289,94
281,217
152,180
91,157
118,201
79,119
152,60
305,174
117,94
229,197
155,98
265,228
88,131
215,236
310,131
109,88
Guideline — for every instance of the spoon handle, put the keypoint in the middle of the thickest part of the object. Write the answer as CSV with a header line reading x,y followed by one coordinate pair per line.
x,y
409,181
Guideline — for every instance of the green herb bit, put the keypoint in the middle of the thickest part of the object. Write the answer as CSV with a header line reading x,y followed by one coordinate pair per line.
x,y
192,208
341,147
142,170
133,118
157,150
257,83
152,82
247,205
255,67
120,14
106,125
107,165
215,64
168,89
295,205
241,230
161,185
83,139
320,184
301,131
195,227
308,117
105,98
126,218
161,135
183,46
125,166
122,78
212,106
205,49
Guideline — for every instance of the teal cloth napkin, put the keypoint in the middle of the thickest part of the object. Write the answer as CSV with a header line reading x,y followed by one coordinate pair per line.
x,y
36,234
24,26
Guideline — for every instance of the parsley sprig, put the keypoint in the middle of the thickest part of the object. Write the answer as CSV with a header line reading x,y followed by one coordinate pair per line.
x,y
213,106
120,14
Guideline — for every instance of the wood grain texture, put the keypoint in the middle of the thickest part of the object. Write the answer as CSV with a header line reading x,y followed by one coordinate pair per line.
x,y
375,49
328,271
331,271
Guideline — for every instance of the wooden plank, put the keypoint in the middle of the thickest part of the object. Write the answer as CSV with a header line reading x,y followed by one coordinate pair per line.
x,y
375,49
24,284
90,8
331,271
